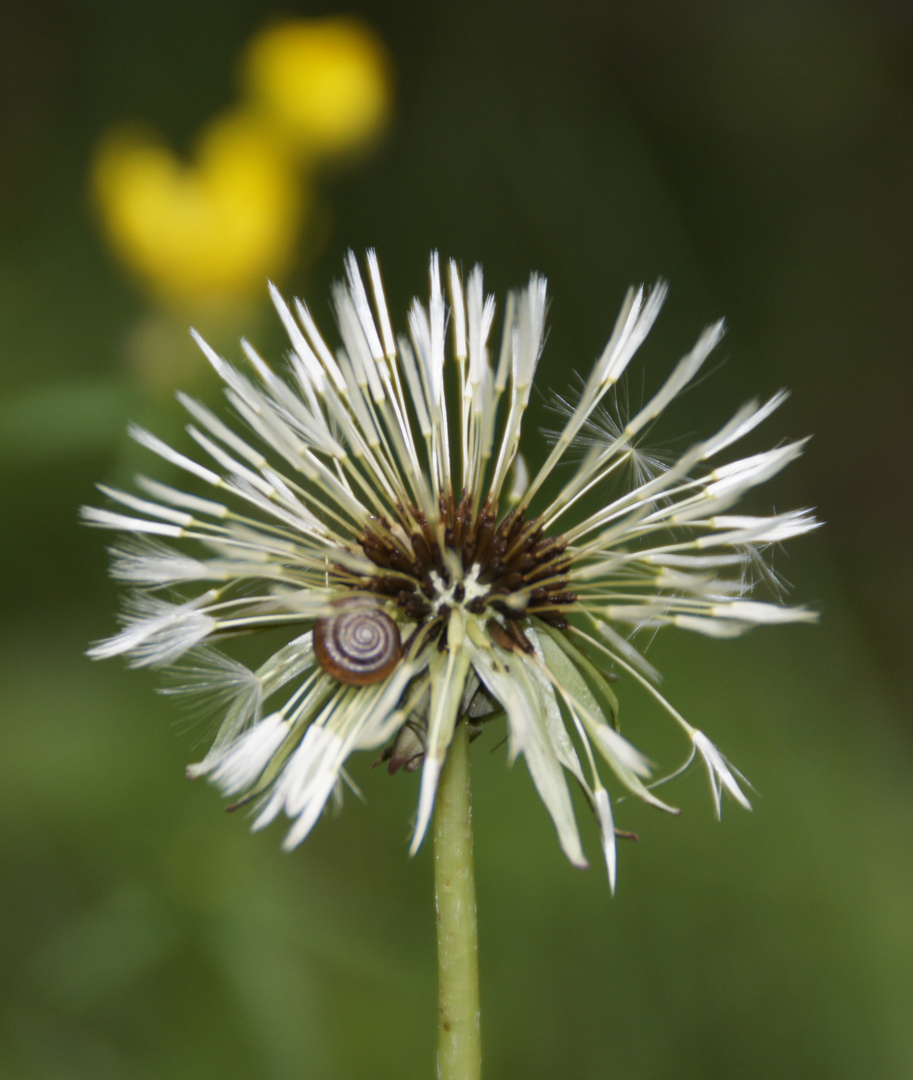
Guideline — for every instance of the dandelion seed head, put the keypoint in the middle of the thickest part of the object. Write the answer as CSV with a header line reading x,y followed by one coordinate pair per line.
x,y
374,504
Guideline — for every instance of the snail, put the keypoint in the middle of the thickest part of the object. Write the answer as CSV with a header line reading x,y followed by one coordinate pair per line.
x,y
358,644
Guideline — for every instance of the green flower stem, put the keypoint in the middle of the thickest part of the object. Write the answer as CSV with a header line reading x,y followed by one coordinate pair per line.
x,y
460,1044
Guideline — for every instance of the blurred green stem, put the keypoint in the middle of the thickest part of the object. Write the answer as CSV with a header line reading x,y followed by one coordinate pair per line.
x,y
460,1045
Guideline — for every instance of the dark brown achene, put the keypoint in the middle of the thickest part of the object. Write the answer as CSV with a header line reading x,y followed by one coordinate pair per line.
x,y
358,644
515,570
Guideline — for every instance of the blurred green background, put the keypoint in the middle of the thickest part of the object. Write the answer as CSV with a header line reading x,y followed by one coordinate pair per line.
x,y
758,155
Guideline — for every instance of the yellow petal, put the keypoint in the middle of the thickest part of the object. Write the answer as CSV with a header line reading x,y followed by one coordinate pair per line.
x,y
325,83
214,229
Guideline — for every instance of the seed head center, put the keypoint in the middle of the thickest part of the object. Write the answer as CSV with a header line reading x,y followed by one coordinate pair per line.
x,y
502,571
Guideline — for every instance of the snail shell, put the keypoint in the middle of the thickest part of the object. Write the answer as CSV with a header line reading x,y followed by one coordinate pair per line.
x,y
358,644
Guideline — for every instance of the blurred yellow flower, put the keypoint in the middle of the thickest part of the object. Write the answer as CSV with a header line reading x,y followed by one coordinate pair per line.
x,y
324,83
207,232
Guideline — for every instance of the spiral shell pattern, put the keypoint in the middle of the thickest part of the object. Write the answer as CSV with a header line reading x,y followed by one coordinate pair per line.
x,y
358,645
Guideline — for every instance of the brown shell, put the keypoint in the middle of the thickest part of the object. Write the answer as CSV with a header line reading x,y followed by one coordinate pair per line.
x,y
359,644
